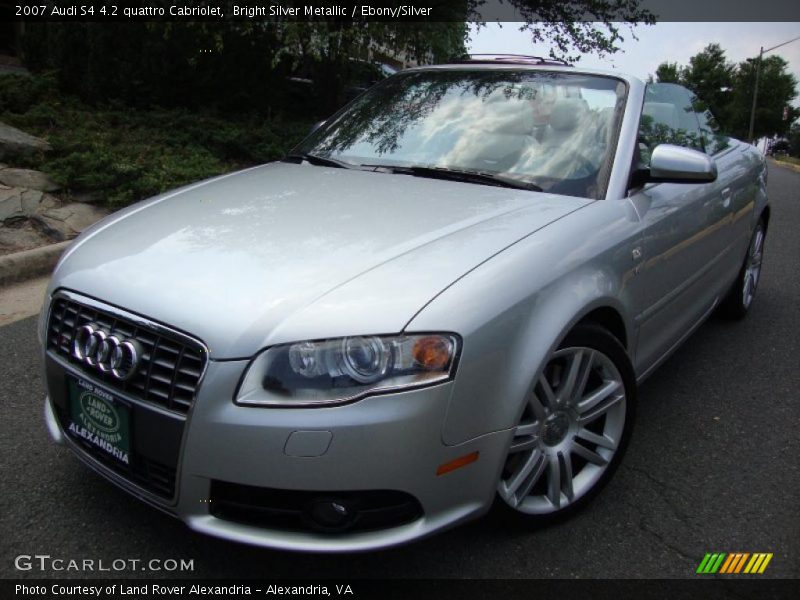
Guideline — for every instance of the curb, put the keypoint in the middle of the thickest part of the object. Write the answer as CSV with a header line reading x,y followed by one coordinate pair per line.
x,y
30,263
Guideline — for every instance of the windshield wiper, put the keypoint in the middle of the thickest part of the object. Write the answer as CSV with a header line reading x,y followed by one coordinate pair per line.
x,y
319,161
481,177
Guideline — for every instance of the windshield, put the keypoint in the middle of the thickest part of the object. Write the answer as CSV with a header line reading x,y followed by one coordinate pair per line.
x,y
552,130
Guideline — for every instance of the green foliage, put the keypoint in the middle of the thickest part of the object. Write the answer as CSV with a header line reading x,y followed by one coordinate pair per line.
x,y
726,89
334,49
776,90
195,65
241,66
128,154
575,27
710,76
668,73
18,93
246,65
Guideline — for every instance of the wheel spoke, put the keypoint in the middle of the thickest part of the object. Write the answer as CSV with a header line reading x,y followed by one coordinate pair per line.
x,y
565,466
748,286
526,436
568,386
537,407
590,455
608,387
525,429
547,398
577,375
554,480
583,377
759,245
521,445
534,476
756,254
600,440
600,409
520,485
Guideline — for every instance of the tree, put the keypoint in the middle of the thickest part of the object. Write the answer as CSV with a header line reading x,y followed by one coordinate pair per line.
x,y
568,25
726,90
245,65
710,77
776,90
335,49
669,73
574,27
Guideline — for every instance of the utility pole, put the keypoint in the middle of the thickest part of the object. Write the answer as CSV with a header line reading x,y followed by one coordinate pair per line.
x,y
755,87
755,97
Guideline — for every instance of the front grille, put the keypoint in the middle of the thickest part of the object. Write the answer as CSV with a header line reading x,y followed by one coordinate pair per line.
x,y
169,371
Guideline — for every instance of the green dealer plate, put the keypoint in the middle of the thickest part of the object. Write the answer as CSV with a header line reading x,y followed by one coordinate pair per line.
x,y
99,418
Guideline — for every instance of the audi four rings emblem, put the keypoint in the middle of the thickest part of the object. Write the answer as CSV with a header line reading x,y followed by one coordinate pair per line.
x,y
106,352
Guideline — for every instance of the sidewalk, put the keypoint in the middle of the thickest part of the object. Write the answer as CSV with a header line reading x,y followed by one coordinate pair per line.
x,y
23,280
22,300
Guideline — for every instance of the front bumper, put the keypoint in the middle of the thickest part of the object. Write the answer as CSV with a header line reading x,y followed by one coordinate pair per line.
x,y
389,442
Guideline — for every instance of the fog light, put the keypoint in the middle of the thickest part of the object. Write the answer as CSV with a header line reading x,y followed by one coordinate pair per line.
x,y
331,513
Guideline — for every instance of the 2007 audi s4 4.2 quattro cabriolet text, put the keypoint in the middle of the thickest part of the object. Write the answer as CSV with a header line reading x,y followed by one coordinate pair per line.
x,y
442,300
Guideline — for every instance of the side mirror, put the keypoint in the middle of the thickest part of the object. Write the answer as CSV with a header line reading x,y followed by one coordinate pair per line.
x,y
316,126
676,164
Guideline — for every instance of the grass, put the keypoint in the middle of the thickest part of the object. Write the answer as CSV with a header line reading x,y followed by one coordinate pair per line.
x,y
788,159
123,155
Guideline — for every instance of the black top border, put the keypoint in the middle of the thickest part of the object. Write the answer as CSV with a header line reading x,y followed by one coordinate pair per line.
x,y
385,10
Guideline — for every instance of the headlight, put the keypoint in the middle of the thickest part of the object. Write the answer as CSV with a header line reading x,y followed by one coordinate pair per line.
x,y
334,371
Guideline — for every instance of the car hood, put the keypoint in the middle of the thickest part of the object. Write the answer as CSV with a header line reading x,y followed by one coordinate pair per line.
x,y
285,252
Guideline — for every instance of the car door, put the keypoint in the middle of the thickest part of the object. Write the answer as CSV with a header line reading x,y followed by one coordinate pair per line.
x,y
683,233
738,175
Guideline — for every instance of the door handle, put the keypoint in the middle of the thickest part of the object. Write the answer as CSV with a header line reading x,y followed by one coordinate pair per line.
x,y
726,197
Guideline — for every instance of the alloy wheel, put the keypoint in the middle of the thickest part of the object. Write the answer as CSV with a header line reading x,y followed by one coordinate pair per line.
x,y
752,272
569,431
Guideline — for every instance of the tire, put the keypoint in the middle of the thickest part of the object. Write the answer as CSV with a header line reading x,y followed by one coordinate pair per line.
x,y
581,430
739,298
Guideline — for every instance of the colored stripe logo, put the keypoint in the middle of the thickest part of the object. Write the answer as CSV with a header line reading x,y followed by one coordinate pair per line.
x,y
734,563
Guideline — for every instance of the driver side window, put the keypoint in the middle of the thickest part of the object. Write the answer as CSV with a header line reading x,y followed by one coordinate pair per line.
x,y
668,117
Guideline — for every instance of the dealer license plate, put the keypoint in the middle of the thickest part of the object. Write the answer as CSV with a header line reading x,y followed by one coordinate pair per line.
x,y
99,418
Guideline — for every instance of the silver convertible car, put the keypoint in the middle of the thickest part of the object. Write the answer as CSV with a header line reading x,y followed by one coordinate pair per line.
x,y
443,299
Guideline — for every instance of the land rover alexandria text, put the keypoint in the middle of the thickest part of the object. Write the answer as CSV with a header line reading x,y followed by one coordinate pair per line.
x,y
440,302
158,590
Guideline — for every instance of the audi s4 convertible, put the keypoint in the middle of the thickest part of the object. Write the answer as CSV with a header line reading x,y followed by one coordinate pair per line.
x,y
442,300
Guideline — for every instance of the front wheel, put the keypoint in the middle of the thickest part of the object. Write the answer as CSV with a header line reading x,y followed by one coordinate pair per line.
x,y
740,297
573,429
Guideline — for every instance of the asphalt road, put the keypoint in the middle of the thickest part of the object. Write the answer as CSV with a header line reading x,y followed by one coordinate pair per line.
x,y
713,466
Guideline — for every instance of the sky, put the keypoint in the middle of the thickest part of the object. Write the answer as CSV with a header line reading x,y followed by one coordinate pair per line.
x,y
663,42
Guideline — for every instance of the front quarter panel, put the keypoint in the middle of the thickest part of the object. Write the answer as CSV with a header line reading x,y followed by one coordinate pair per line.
x,y
513,310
